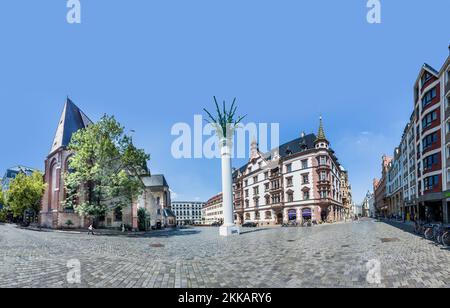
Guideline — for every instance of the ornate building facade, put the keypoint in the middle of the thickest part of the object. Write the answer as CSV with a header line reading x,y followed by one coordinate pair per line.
x,y
379,188
346,190
300,181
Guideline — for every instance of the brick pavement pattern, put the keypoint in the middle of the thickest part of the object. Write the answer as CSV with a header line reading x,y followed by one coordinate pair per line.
x,y
323,256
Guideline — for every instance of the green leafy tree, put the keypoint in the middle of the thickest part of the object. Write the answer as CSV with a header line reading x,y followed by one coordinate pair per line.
x,y
3,210
142,219
25,193
105,169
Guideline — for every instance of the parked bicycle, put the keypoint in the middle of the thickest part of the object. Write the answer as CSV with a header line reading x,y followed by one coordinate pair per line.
x,y
419,227
439,233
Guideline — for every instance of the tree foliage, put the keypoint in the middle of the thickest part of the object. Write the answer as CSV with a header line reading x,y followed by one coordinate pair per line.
x,y
105,169
25,193
142,219
3,211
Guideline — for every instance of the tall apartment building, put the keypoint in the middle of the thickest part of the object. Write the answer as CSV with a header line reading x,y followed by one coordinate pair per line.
x,y
445,86
408,151
187,212
299,181
379,188
394,184
423,160
432,112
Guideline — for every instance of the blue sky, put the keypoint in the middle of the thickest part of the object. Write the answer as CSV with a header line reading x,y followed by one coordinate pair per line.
x,y
155,63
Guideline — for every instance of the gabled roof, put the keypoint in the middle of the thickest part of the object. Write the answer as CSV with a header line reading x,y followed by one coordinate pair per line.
x,y
72,119
156,180
428,68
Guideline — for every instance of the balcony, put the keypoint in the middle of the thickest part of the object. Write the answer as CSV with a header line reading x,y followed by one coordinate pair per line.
x,y
275,189
323,167
275,175
324,181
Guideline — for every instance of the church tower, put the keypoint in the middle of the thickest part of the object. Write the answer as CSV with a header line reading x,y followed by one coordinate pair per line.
x,y
53,214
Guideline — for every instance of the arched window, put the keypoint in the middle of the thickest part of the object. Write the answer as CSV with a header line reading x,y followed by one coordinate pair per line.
x,y
53,186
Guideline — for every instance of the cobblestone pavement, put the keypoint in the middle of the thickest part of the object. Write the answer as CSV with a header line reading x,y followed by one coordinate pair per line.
x,y
323,256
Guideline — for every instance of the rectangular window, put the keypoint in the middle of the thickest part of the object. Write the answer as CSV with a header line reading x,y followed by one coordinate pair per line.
x,y
430,161
256,190
429,140
428,97
428,119
290,197
431,182
289,181
305,178
255,179
304,164
306,195
323,160
289,168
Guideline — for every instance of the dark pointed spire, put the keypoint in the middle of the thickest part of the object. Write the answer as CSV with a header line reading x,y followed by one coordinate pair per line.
x,y
72,119
321,133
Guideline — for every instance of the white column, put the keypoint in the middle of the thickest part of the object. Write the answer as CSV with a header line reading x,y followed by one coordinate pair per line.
x,y
228,227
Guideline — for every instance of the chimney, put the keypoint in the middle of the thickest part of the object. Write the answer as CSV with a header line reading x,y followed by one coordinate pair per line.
x,y
302,135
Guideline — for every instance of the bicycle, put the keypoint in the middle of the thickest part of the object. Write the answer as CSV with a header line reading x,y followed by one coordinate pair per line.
x,y
419,228
446,238
438,233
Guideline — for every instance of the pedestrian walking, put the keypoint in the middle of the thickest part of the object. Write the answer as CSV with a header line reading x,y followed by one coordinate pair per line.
x,y
91,230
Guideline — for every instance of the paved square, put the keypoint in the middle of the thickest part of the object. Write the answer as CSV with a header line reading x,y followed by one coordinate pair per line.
x,y
323,256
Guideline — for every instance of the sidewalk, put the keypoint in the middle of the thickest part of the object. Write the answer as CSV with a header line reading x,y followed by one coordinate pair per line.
x,y
405,226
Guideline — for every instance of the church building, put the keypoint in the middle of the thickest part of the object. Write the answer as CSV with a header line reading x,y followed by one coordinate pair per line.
x,y
155,198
